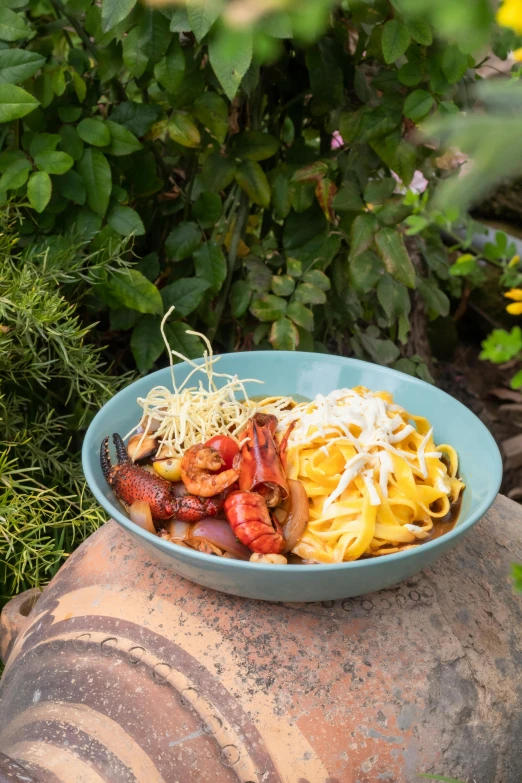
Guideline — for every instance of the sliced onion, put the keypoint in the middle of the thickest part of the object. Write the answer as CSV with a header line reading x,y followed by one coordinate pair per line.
x,y
178,531
220,534
178,489
297,517
140,514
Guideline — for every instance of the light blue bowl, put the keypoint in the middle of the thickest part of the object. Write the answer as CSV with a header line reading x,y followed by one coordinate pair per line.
x,y
308,374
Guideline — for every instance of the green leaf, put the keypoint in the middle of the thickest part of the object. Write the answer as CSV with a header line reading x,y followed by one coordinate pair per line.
x,y
418,104
318,279
15,102
284,335
129,288
410,74
313,172
362,234
211,265
202,14
218,171
416,224
9,156
183,130
454,63
516,383
283,285
134,58
95,171
502,346
170,70
15,175
254,145
420,31
348,198
80,87
72,187
39,189
301,315
155,35
325,191
306,293
277,24
434,298
43,142
136,117
125,221
70,142
377,191
240,296
12,26
395,40
115,11
179,22
94,132
182,241
268,308
186,344
54,162
69,113
281,192
365,271
123,142
212,112
207,209
17,65
149,266
252,179
147,343
294,267
230,54
392,250
184,294
393,297
381,351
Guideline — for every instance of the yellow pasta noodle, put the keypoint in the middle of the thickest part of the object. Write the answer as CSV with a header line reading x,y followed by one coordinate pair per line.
x,y
373,475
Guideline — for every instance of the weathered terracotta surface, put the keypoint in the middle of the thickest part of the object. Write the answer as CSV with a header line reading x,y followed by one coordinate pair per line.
x,y
127,673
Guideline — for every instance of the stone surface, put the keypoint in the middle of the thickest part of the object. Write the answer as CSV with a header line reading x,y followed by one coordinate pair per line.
x,y
125,672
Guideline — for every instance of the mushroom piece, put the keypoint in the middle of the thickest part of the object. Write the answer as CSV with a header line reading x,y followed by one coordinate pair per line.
x,y
140,447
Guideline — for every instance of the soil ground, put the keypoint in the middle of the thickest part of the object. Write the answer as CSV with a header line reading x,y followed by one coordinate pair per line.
x,y
474,383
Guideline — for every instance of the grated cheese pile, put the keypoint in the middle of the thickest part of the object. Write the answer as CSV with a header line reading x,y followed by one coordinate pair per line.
x,y
372,425
187,415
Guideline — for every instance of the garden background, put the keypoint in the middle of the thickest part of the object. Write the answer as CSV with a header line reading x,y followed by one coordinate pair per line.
x,y
296,175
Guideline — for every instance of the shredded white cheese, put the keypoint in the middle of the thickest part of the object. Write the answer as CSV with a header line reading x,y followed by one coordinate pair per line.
x,y
186,415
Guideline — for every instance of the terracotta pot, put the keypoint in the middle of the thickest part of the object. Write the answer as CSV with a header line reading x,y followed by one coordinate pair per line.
x,y
124,672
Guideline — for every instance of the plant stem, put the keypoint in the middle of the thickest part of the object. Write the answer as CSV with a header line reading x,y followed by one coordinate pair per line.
x,y
61,11
232,258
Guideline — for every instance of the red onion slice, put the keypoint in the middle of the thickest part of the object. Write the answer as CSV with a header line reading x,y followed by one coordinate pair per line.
x,y
220,534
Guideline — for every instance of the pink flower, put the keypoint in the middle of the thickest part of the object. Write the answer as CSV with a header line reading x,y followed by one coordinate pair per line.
x,y
337,140
418,184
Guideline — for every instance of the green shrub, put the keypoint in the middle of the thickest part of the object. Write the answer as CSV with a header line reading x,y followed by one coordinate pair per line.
x,y
255,172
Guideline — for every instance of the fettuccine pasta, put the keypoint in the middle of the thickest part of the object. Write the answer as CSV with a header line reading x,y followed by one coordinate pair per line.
x,y
375,480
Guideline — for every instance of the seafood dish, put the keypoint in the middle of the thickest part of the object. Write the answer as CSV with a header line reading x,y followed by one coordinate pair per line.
x,y
348,475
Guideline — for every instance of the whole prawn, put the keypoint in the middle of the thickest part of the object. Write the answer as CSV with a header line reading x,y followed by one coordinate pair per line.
x,y
199,471
131,482
261,468
250,519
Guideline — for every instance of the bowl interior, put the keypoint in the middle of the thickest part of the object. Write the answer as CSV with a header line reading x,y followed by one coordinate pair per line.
x,y
308,374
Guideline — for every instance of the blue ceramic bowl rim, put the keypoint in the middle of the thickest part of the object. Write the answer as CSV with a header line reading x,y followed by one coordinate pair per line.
x,y
203,558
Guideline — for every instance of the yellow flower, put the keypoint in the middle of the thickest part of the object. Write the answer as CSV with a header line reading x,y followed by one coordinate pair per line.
x,y
515,308
517,54
515,293
516,259
510,15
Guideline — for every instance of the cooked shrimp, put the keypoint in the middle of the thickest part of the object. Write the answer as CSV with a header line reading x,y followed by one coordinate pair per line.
x,y
199,468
